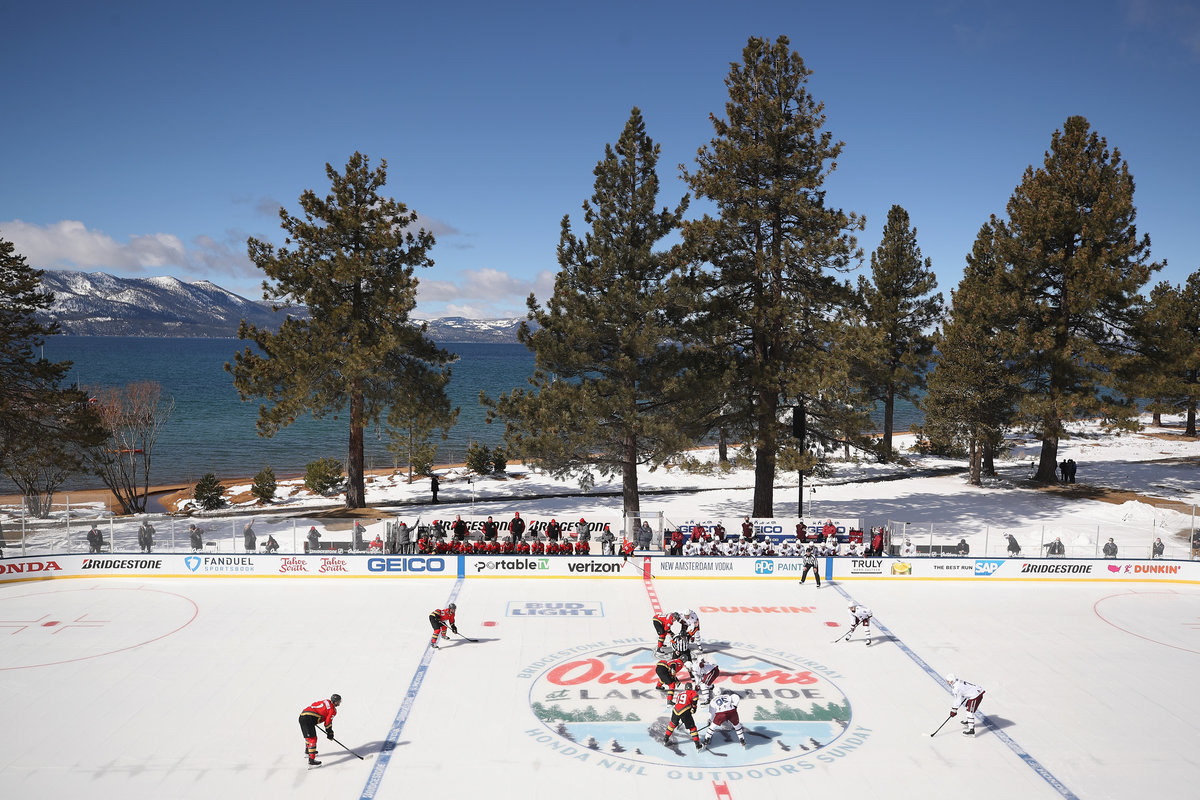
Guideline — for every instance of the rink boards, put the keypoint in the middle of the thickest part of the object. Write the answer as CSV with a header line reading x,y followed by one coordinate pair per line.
x,y
592,567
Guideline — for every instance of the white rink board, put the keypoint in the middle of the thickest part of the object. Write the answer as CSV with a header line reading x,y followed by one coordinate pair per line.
x,y
181,688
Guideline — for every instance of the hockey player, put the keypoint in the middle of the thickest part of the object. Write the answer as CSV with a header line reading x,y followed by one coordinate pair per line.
x,y
666,670
681,712
662,626
440,618
810,562
704,672
721,710
689,623
862,615
627,548
968,696
322,711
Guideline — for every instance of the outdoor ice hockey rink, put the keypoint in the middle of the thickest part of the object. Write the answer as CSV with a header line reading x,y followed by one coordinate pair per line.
x,y
191,688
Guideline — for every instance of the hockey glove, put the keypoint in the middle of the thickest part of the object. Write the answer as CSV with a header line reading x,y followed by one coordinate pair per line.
x,y
454,628
954,712
329,733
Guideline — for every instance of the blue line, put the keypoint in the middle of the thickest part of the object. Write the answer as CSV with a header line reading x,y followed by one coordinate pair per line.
x,y
1020,751
410,698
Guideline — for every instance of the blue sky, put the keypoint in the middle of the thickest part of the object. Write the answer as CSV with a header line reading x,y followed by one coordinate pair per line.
x,y
152,138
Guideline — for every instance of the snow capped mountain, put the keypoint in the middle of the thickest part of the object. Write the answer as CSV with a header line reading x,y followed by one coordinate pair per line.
x,y
99,304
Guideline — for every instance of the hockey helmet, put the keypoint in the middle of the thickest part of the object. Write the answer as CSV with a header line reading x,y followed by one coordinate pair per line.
x,y
336,699
687,612
951,677
452,607
853,606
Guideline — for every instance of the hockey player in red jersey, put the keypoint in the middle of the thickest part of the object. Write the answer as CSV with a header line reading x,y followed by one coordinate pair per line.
x,y
684,706
662,626
666,670
322,711
440,618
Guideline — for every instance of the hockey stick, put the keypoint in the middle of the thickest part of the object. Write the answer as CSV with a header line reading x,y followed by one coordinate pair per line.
x,y
468,638
947,719
347,749
844,635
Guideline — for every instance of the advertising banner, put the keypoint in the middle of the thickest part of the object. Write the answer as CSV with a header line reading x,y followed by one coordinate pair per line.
x,y
774,528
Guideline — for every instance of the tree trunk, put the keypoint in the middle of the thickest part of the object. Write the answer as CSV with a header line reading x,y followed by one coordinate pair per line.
x,y
973,459
629,478
764,455
1047,471
1156,419
1190,429
356,491
722,446
988,466
889,409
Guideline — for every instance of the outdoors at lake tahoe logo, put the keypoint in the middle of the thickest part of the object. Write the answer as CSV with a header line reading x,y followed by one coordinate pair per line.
x,y
597,703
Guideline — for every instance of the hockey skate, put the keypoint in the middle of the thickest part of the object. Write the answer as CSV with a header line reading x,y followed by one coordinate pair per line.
x,y
667,740
312,762
698,745
969,731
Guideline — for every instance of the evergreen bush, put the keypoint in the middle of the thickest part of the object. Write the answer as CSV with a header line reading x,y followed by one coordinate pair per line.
x,y
264,485
499,460
323,475
479,459
209,492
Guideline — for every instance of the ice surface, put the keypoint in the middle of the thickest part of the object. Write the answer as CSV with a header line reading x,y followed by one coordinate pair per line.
x,y
191,689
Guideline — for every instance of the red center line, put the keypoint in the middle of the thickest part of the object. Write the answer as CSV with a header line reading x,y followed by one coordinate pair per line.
x,y
721,789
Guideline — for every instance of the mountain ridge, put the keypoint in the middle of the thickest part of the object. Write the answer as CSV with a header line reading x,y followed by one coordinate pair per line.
x,y
100,304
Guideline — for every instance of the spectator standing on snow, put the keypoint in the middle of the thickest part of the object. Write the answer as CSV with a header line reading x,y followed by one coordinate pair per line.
x,y
1110,548
1014,549
1156,551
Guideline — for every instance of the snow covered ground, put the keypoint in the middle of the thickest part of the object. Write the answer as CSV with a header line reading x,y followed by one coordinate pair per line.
x,y
939,510
190,688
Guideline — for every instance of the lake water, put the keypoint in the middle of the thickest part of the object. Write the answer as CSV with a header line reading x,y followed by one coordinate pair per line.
x,y
212,430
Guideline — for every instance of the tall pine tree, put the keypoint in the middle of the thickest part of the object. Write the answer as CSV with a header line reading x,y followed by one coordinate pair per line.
x,y
766,259
899,314
350,260
971,397
611,386
45,429
1166,366
1072,267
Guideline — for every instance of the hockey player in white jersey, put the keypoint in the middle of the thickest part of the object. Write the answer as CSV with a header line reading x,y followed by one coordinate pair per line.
x,y
862,616
967,696
723,709
704,673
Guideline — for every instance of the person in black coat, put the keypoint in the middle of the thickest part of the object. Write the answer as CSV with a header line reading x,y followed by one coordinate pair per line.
x,y
517,527
1014,549
963,548
249,539
1110,548
433,487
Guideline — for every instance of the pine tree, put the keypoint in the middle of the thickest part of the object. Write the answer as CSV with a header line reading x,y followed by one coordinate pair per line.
x,y
899,314
610,390
350,260
1072,267
45,430
971,397
765,261
1166,366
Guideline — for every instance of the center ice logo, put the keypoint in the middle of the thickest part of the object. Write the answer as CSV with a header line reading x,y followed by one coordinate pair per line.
x,y
601,706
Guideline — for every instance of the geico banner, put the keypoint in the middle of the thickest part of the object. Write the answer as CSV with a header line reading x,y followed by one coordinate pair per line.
x,y
171,565
1013,569
570,527
774,528
516,566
